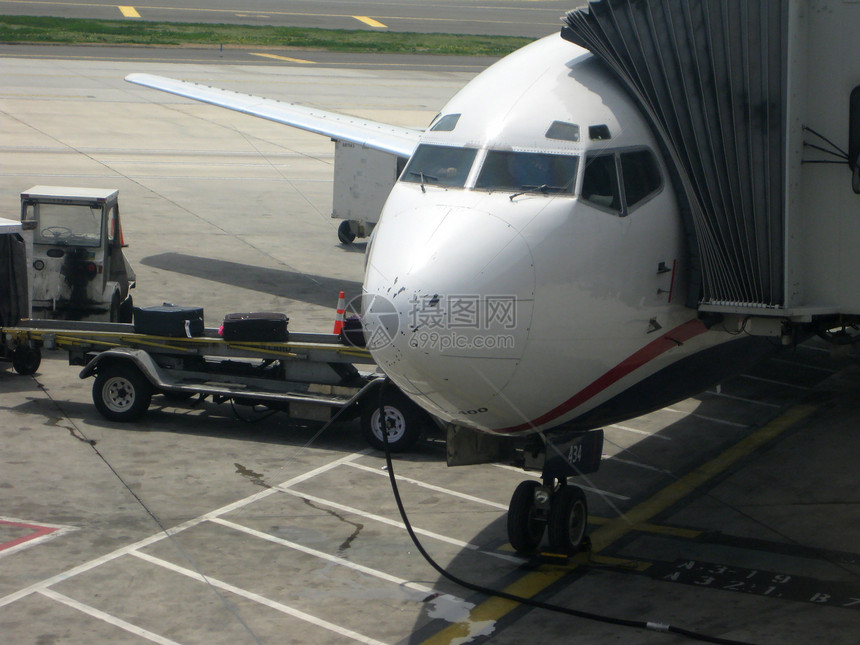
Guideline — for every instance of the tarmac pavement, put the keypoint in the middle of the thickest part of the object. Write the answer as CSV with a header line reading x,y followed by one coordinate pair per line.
x,y
734,513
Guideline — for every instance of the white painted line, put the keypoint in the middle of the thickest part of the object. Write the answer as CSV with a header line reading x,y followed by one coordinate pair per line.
x,y
323,469
642,432
603,493
438,489
40,536
769,380
401,582
734,424
785,361
157,537
108,618
399,525
740,398
639,465
382,520
250,595
519,471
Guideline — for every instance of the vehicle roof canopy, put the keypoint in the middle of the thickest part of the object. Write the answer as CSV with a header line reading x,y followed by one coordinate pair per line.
x,y
70,193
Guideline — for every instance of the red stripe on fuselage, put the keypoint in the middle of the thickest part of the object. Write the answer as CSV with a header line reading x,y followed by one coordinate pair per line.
x,y
652,350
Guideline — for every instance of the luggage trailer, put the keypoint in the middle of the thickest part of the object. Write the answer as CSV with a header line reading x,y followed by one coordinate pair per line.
x,y
311,376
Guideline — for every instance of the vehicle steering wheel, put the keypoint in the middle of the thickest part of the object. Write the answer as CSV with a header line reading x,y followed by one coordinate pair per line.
x,y
57,232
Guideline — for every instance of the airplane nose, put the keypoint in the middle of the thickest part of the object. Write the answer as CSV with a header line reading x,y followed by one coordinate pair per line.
x,y
448,296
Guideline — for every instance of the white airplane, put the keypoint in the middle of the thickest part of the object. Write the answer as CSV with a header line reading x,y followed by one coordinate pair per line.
x,y
527,272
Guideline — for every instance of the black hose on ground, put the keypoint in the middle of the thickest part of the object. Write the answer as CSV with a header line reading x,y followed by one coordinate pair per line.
x,y
637,624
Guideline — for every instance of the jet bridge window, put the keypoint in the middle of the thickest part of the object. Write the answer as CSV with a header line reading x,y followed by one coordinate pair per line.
x,y
439,165
524,171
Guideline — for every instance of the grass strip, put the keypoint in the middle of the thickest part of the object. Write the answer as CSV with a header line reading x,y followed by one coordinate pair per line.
x,y
39,29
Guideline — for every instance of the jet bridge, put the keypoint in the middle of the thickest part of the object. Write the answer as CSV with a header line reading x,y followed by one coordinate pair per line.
x,y
755,104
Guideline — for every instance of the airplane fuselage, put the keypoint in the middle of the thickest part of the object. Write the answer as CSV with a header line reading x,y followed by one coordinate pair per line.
x,y
527,271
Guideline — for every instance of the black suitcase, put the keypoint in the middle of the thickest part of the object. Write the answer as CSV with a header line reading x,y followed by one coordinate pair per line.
x,y
169,320
353,332
256,326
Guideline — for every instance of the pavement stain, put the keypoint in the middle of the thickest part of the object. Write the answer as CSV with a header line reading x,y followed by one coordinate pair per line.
x,y
255,478
348,541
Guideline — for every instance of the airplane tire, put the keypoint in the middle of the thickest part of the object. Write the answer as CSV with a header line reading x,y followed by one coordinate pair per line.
x,y
525,530
26,360
344,233
121,392
568,519
404,421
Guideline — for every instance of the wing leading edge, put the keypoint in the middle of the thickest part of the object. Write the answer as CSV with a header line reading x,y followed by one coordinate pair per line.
x,y
379,136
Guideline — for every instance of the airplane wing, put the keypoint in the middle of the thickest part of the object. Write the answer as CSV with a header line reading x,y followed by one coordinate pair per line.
x,y
379,136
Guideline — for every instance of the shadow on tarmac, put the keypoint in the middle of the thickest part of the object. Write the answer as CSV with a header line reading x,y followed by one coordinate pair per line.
x,y
306,287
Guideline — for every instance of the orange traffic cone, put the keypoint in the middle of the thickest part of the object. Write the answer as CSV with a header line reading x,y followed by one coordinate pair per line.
x,y
341,310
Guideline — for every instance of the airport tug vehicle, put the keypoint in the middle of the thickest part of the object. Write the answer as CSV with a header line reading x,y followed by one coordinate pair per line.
x,y
78,269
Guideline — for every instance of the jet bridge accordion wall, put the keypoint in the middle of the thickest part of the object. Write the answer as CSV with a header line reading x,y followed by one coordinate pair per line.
x,y
711,76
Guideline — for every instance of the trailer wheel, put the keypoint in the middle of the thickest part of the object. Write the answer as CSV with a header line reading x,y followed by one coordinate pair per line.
x,y
121,392
404,422
344,232
26,360
525,529
568,518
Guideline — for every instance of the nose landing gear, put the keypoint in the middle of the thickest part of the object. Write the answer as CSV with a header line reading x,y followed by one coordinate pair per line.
x,y
554,506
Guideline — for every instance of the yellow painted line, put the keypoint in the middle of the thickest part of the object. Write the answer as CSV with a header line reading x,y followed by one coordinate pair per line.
x,y
675,492
660,529
618,563
370,22
286,58
483,21
535,582
491,610
129,12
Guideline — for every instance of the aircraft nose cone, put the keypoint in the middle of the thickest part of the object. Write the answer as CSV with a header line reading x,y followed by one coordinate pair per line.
x,y
447,308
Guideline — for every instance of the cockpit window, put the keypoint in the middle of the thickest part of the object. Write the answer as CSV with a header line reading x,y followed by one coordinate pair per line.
x,y
600,182
641,176
507,170
446,124
563,131
439,165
